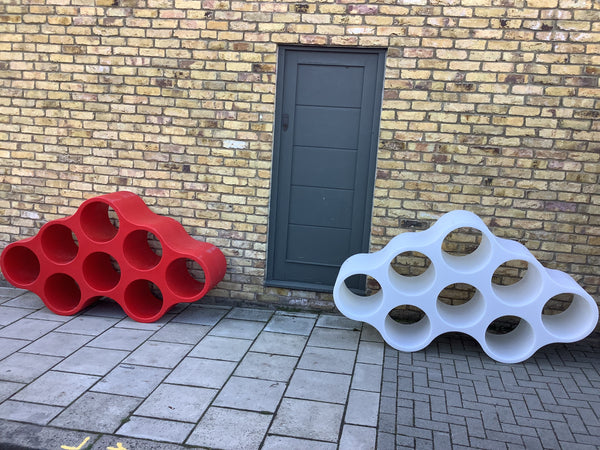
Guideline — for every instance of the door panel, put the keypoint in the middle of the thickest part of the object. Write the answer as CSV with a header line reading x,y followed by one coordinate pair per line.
x,y
328,168
327,127
327,121
321,207
306,247
319,85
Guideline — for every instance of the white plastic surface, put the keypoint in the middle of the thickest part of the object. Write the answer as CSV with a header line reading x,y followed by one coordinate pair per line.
x,y
525,299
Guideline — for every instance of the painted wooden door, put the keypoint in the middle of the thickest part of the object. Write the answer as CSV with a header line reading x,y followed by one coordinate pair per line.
x,y
327,124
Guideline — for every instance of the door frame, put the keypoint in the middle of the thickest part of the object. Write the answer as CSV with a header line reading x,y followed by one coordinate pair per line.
x,y
275,165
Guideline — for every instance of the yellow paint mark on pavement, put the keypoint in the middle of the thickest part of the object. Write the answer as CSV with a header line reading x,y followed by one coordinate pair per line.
x,y
66,447
118,447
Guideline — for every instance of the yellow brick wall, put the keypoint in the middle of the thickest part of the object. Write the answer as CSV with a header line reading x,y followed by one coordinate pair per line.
x,y
488,105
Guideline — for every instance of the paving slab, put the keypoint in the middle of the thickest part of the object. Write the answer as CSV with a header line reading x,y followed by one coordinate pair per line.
x,y
321,386
97,411
90,325
57,344
26,300
29,329
225,348
267,366
289,324
28,412
25,367
234,328
56,388
337,321
92,361
120,339
308,419
328,360
9,293
358,438
130,380
201,372
159,354
9,314
181,333
367,377
128,322
250,394
156,429
334,338
175,402
370,333
288,443
280,343
261,315
200,316
230,429
370,352
8,388
46,314
362,408
8,346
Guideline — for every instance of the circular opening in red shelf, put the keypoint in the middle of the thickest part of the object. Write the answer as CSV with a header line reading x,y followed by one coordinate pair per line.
x,y
101,271
185,277
143,299
142,249
62,293
99,221
21,265
59,243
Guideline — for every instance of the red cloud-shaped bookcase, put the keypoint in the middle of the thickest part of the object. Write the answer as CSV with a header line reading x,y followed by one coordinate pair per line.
x,y
73,261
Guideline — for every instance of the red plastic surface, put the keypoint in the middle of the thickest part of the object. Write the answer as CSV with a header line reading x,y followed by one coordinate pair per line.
x,y
73,261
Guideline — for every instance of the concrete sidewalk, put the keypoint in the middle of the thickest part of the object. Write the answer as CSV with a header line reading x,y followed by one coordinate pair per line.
x,y
203,376
247,378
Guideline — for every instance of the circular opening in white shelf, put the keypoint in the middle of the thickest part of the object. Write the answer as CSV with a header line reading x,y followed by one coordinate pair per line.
x,y
59,243
462,241
510,272
460,305
99,221
517,282
407,328
509,339
466,249
356,302
142,249
410,264
568,316
412,272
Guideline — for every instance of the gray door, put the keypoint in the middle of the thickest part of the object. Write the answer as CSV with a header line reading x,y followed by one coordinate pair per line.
x,y
327,123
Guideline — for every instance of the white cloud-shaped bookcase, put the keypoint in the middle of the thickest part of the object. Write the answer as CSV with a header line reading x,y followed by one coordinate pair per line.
x,y
525,299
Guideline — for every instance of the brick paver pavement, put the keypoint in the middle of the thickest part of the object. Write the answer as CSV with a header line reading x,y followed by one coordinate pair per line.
x,y
451,395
